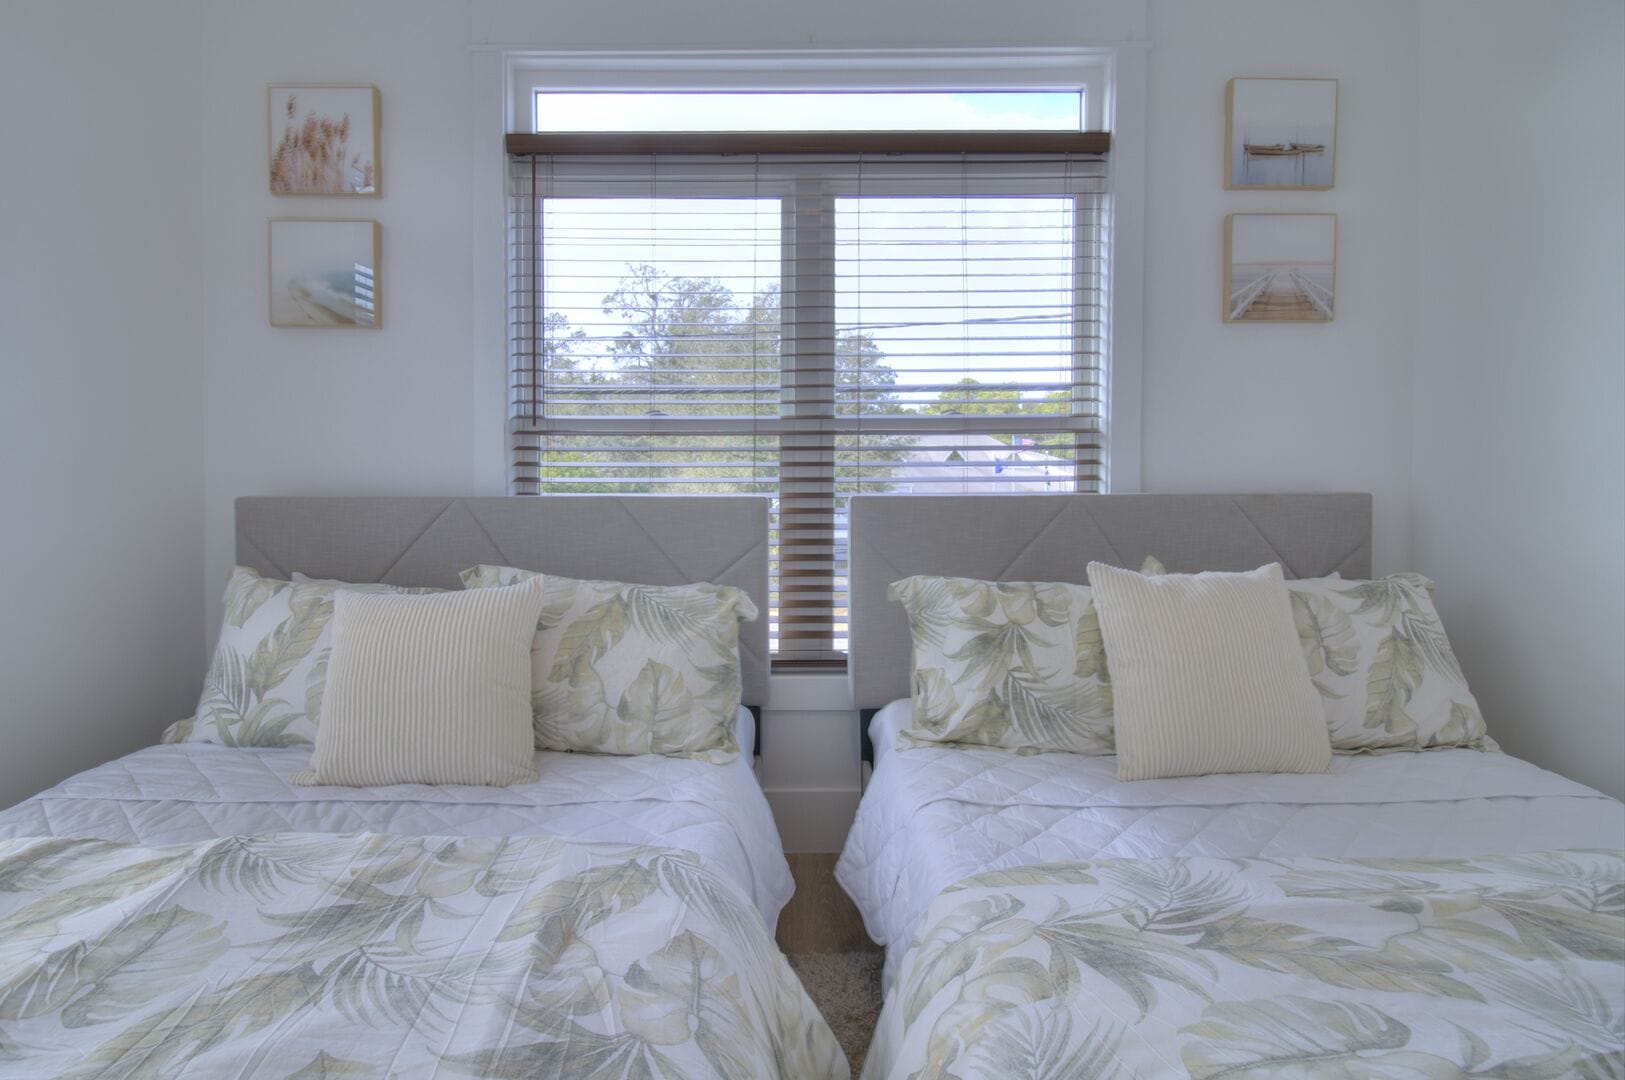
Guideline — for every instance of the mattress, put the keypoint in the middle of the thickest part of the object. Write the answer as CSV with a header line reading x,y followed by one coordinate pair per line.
x,y
198,791
932,816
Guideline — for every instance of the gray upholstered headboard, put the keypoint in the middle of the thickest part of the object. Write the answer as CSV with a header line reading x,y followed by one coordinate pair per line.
x,y
650,539
1054,537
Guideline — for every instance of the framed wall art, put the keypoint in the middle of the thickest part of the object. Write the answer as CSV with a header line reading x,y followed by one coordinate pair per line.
x,y
1280,267
324,139
1280,134
324,273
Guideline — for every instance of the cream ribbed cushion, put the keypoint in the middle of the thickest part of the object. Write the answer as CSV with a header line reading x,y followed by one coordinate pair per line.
x,y
428,689
1207,674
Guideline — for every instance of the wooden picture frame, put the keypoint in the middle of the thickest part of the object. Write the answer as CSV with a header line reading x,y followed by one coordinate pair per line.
x,y
1280,268
1280,134
323,139
322,273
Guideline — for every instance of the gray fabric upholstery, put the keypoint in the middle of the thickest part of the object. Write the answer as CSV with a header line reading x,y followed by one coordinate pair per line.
x,y
1053,538
648,539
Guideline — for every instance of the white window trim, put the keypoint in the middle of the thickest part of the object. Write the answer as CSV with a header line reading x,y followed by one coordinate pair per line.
x,y
503,82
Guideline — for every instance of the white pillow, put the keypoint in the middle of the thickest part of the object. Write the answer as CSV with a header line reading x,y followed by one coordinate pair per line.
x,y
428,689
1207,674
618,668
1380,659
264,686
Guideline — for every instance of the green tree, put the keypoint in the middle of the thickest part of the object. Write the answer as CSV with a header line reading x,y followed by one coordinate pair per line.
x,y
689,348
970,397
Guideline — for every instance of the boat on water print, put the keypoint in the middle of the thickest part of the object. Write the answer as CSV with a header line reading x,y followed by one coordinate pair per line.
x,y
1281,133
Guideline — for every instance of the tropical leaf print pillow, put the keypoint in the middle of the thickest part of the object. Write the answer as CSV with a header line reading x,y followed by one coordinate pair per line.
x,y
1379,656
1018,665
633,669
264,686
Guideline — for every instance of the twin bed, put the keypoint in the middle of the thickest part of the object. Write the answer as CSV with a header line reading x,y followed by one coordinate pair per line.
x,y
1448,912
190,910
185,792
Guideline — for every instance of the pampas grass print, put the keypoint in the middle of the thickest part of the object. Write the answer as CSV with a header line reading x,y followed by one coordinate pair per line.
x,y
314,156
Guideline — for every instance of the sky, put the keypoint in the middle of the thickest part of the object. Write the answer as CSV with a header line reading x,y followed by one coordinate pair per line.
x,y
1282,238
915,110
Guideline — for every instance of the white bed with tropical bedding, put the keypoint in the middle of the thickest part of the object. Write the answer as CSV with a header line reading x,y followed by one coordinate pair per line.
x,y
508,829
933,816
1499,965
1451,913
1401,900
188,910
322,955
189,792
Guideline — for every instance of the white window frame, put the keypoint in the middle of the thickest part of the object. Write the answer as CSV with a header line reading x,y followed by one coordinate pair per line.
x,y
1111,77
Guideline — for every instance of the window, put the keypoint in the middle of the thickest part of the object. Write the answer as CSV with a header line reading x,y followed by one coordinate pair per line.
x,y
732,110
807,320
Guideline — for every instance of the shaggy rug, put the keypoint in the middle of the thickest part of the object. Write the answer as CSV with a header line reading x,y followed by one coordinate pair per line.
x,y
846,988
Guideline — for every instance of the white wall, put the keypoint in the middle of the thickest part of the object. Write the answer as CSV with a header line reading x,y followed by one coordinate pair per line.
x,y
302,411
1520,368
100,431
788,24
1300,407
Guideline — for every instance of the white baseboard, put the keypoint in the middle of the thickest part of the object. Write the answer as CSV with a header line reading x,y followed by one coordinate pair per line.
x,y
813,819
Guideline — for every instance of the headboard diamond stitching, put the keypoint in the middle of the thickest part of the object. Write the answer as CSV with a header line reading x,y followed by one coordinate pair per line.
x,y
1022,551
654,544
1286,564
897,536
427,541
412,543
479,523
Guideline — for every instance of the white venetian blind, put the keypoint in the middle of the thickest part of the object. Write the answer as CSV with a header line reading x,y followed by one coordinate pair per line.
x,y
808,325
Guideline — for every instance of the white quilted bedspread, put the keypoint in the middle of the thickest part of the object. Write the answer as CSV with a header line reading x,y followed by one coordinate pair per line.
x,y
934,816
192,791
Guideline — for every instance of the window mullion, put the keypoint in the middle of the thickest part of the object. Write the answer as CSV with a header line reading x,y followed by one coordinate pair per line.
x,y
807,447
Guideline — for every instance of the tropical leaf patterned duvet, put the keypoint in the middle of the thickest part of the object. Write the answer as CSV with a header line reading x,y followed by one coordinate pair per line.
x,y
1509,966
364,955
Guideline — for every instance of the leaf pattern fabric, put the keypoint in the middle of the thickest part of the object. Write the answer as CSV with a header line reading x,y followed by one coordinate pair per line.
x,y
1376,651
619,668
1387,676
1018,665
1493,966
375,956
264,686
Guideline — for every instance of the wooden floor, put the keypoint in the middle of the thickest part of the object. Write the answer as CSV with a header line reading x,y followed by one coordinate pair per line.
x,y
820,918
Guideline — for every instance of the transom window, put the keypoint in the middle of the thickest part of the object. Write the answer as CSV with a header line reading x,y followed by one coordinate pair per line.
x,y
810,110
806,318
